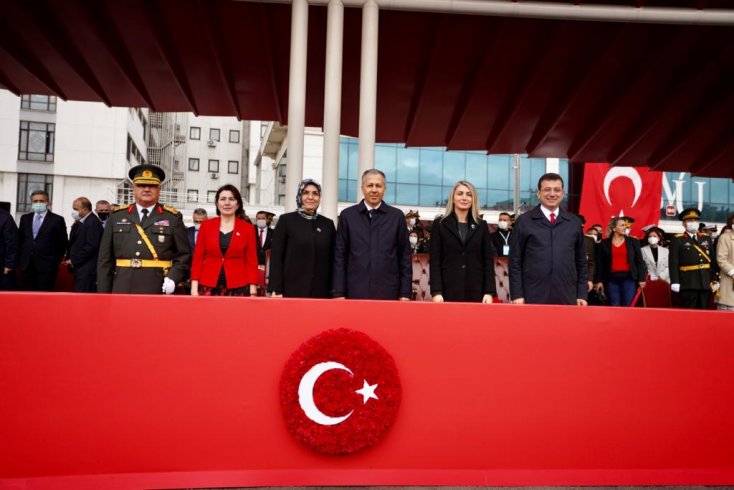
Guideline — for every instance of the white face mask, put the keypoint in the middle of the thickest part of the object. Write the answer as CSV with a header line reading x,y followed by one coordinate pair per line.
x,y
261,223
197,226
75,215
626,232
653,240
692,226
413,240
38,207
502,225
412,221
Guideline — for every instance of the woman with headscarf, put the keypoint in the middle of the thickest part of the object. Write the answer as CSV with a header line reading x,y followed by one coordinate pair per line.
x,y
302,252
462,266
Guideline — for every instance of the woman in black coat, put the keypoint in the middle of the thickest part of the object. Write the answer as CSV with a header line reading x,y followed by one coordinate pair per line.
x,y
461,267
302,251
621,268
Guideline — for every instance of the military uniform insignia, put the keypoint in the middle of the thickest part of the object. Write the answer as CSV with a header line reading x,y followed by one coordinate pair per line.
x,y
161,238
170,209
162,222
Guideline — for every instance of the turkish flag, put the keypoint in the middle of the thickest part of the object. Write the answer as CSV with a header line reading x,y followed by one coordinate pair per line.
x,y
621,191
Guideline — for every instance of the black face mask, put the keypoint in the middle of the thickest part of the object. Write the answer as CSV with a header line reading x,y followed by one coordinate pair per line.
x,y
103,216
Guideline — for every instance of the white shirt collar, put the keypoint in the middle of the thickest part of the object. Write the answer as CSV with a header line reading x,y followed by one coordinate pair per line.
x,y
140,209
547,212
370,207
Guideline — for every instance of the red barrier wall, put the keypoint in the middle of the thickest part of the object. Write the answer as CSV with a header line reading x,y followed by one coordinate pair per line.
x,y
133,391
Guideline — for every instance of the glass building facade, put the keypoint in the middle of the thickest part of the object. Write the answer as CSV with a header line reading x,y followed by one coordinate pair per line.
x,y
425,176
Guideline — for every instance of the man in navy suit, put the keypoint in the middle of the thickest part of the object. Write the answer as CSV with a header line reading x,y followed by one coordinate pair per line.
x,y
84,240
372,251
192,232
547,254
8,250
42,245
263,236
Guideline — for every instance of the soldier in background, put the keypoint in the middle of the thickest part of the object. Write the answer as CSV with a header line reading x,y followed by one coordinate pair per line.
x,y
690,263
144,247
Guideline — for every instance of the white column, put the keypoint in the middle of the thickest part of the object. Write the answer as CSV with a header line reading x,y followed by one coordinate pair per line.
x,y
368,89
296,100
332,108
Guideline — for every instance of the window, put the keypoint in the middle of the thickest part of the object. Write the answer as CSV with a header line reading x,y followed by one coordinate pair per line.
x,y
210,195
214,165
194,164
38,102
233,167
133,151
234,136
192,195
195,133
214,134
36,141
27,183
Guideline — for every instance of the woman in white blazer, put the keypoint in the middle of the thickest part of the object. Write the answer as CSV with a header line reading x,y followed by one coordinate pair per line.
x,y
656,256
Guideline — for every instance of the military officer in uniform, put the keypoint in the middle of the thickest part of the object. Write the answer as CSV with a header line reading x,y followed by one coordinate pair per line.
x,y
690,263
144,247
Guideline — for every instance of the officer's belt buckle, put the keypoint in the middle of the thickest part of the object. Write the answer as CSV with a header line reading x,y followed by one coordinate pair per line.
x,y
136,263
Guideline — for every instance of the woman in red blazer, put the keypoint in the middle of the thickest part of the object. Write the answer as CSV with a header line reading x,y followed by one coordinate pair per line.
x,y
225,257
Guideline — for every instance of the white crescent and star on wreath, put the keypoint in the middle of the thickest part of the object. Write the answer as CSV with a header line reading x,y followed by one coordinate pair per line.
x,y
306,387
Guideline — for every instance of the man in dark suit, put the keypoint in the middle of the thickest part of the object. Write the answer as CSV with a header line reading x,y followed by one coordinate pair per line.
x,y
547,254
691,261
84,241
8,250
263,236
144,248
501,237
372,251
43,243
192,232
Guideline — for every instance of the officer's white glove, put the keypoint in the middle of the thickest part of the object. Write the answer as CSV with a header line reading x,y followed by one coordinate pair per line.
x,y
168,286
730,273
715,286
675,288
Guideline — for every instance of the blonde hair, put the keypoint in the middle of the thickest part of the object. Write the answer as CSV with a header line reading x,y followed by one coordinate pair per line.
x,y
474,210
613,224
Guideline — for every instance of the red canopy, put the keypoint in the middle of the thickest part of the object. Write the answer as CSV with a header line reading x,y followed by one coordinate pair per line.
x,y
633,94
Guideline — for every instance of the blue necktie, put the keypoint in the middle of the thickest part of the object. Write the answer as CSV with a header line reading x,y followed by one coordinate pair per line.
x,y
36,225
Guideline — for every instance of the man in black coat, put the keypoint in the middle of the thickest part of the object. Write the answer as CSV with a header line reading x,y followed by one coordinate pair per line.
x,y
372,251
8,250
43,243
501,237
192,232
547,254
263,236
84,241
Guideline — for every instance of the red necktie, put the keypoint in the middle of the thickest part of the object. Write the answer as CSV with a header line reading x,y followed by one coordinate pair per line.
x,y
553,218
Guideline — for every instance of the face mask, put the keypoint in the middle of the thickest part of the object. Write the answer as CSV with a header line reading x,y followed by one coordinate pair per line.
x,y
75,215
653,240
261,223
38,207
103,216
626,232
692,226
197,226
502,225
413,240
411,221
